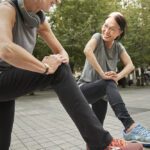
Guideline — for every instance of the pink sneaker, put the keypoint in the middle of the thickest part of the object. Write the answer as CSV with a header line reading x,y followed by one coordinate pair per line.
x,y
119,144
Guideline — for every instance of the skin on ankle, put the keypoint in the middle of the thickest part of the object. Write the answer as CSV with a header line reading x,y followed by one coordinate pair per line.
x,y
131,127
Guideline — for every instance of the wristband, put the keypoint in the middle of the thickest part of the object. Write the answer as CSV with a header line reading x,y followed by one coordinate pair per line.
x,y
46,68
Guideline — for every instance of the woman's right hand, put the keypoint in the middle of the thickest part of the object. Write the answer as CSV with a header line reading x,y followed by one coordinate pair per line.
x,y
53,61
109,75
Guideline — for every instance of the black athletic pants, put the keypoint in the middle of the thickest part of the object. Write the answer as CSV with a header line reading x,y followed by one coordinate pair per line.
x,y
94,91
16,82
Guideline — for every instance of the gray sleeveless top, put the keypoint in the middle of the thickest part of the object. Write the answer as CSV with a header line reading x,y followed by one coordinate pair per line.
x,y
23,35
107,58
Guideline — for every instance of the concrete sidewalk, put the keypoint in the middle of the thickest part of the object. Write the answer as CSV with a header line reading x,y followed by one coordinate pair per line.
x,y
41,122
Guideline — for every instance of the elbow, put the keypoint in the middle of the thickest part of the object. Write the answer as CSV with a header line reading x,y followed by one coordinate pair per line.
x,y
5,51
133,67
87,52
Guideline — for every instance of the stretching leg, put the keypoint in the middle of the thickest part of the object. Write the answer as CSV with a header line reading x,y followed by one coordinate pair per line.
x,y
7,110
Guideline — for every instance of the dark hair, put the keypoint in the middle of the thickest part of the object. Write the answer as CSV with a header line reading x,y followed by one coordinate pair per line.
x,y
121,21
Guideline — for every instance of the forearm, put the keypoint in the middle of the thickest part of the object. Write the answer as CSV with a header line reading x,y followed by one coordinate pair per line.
x,y
126,70
52,43
46,33
92,60
19,57
128,65
49,37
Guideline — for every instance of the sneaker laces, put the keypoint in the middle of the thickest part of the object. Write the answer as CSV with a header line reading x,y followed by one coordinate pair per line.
x,y
142,131
117,144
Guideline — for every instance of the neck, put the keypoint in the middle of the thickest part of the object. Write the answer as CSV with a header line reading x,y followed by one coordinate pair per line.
x,y
109,44
31,5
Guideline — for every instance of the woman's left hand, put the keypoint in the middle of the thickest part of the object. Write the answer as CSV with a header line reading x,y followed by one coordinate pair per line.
x,y
114,76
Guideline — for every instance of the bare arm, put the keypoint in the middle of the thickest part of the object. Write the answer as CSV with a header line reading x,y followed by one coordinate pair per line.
x,y
128,65
13,53
89,53
46,33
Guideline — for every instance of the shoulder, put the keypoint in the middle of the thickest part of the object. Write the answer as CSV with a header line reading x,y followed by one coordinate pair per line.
x,y
120,46
7,6
97,36
7,10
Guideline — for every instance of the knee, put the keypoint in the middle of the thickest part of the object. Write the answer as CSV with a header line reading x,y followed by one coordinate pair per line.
x,y
111,83
101,84
62,73
63,70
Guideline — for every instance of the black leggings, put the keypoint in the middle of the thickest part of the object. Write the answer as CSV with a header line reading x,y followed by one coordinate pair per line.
x,y
94,92
16,82
100,109
7,110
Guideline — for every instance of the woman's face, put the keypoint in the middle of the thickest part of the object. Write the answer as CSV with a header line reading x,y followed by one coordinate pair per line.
x,y
110,30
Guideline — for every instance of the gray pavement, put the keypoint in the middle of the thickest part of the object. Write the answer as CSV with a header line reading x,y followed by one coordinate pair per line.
x,y
41,122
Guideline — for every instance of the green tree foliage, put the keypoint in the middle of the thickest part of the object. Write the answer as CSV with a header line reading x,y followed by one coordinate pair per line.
x,y
74,22
138,35
41,49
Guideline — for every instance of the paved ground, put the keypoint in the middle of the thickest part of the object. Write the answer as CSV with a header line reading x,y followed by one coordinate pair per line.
x,y
41,123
